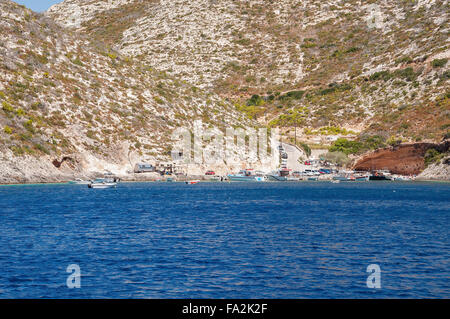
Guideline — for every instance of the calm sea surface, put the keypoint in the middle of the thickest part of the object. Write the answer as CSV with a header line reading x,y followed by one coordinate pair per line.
x,y
220,240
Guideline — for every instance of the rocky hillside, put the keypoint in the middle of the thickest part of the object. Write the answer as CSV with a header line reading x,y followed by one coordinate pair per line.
x,y
404,159
374,66
64,97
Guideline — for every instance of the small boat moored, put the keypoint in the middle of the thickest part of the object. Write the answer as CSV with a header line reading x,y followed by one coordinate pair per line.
x,y
192,182
245,175
361,178
102,184
109,181
381,176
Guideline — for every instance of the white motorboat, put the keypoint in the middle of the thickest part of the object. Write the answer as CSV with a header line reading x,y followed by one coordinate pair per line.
x,y
103,183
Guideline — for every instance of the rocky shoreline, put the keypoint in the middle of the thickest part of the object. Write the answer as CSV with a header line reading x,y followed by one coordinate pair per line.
x,y
408,159
405,159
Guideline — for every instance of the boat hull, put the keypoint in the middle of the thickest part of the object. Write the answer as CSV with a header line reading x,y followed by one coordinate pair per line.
x,y
379,178
238,178
342,179
277,178
102,185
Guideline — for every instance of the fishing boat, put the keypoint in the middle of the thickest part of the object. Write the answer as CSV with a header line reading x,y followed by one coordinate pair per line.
x,y
246,175
343,178
340,178
103,183
362,178
279,176
109,181
351,177
380,176
192,182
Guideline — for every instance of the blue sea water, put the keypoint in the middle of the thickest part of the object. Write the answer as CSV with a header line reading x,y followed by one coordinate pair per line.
x,y
220,240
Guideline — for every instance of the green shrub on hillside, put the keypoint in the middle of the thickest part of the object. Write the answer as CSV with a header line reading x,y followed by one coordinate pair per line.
x,y
158,100
20,112
29,126
295,95
373,142
345,146
432,156
438,63
112,56
41,148
306,148
250,110
8,130
408,74
17,150
352,49
7,107
77,61
307,45
255,100
394,141
405,60
335,87
41,58
382,75
328,130
336,157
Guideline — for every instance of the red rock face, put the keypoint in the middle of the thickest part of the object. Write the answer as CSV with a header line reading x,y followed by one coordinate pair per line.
x,y
406,159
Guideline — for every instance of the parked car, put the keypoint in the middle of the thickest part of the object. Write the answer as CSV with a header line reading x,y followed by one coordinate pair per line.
x,y
210,173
